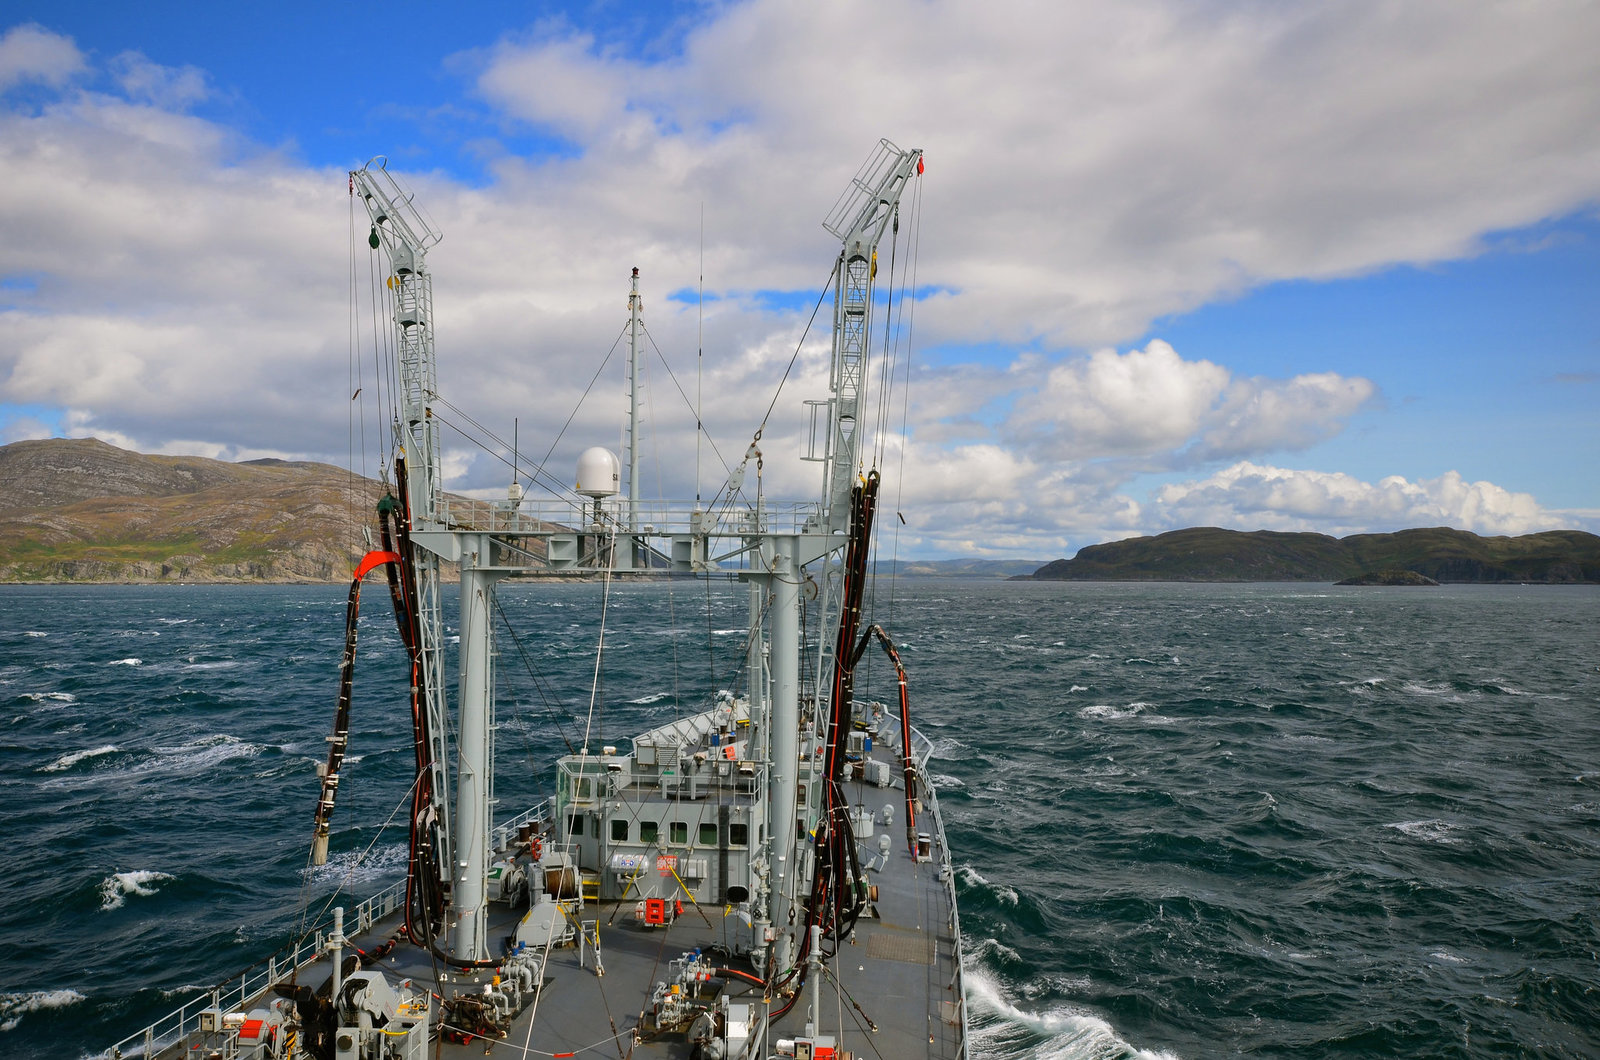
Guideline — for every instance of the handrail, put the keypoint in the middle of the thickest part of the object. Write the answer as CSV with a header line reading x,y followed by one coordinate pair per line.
x,y
238,989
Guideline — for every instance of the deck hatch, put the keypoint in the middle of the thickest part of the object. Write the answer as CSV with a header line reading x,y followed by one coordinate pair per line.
x,y
913,949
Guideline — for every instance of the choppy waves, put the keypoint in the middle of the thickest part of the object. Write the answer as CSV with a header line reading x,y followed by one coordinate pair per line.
x,y
15,1006
1207,820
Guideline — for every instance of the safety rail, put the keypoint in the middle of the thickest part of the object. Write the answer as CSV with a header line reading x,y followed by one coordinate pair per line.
x,y
237,991
542,518
922,751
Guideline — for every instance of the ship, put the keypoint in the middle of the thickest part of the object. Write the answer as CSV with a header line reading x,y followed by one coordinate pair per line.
x,y
766,877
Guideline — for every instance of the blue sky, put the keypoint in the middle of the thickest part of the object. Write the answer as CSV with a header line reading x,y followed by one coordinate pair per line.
x,y
1314,266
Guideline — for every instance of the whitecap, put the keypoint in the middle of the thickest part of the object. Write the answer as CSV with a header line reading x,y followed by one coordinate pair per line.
x,y
50,697
33,633
1430,830
1077,688
14,1006
116,888
654,697
1447,957
126,662
1106,712
72,758
995,949
1067,1031
1003,894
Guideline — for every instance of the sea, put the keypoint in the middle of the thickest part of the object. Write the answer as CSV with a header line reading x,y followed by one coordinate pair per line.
x,y
1188,820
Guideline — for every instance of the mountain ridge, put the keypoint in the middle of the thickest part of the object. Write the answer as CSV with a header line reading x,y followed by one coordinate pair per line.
x,y
1445,554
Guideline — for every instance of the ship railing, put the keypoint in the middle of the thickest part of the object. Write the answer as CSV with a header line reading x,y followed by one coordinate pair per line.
x,y
538,813
654,519
241,989
922,752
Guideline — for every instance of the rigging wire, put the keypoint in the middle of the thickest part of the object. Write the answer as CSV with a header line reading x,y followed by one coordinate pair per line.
x,y
915,249
700,356
671,375
832,273
533,673
600,644
540,467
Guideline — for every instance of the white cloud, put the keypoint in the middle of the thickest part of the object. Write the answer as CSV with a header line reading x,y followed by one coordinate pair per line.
x,y
1153,405
1098,165
1250,497
174,88
1091,167
32,53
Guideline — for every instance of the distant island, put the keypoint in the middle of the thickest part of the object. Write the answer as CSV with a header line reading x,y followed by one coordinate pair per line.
x,y
1389,577
1440,554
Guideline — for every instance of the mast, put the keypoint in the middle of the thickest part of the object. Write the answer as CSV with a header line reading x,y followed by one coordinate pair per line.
x,y
406,236
858,219
463,845
635,306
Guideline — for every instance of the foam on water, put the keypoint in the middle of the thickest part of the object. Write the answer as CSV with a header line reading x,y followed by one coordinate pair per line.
x,y
130,661
654,697
50,697
1106,712
1430,830
1003,1029
14,1006
974,881
67,761
117,888
363,868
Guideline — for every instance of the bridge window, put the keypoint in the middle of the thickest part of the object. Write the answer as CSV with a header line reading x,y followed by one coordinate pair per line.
x,y
619,831
738,835
649,832
680,832
575,824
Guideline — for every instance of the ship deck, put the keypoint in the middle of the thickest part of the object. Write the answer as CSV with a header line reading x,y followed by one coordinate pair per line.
x,y
893,989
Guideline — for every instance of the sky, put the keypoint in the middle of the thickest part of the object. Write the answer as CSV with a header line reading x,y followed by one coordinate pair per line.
x,y
1327,266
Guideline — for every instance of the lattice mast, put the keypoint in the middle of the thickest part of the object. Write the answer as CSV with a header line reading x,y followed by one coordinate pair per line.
x,y
405,235
858,219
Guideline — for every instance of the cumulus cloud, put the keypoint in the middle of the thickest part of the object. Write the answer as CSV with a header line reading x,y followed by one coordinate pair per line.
x,y
1249,496
1090,171
1106,164
1153,405
32,53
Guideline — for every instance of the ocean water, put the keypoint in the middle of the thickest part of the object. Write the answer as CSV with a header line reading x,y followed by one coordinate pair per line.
x,y
1189,820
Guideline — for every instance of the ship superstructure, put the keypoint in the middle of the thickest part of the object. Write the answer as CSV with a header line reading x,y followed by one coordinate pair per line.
x,y
767,877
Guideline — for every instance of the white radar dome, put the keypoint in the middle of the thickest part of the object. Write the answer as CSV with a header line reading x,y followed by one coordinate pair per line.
x,y
599,472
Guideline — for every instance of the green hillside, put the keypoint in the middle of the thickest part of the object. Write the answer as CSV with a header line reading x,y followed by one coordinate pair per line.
x,y
1211,554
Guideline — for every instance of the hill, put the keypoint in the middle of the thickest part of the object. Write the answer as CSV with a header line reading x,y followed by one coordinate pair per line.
x,y
79,510
82,510
1441,553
